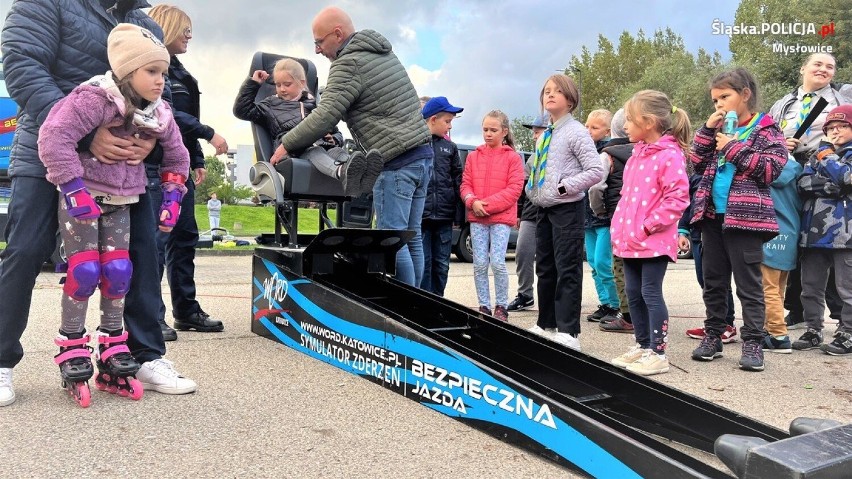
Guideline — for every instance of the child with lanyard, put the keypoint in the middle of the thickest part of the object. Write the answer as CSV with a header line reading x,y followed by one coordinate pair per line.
x,y
734,207
94,214
565,165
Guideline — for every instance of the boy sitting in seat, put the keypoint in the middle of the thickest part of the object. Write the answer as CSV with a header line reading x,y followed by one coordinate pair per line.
x,y
281,112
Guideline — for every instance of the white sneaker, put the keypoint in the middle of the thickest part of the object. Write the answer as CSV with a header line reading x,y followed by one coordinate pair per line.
x,y
650,363
7,394
160,375
546,332
631,356
566,339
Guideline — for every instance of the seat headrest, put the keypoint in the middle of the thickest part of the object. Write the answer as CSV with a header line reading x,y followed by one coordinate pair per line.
x,y
266,61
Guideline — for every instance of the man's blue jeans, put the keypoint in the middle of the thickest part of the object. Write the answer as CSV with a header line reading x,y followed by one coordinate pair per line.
x,y
398,200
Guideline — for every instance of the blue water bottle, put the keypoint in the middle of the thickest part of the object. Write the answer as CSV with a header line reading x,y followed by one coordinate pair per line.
x,y
729,126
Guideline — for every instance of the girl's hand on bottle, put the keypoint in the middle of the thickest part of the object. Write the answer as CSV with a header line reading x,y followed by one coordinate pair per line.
x,y
478,208
722,140
715,119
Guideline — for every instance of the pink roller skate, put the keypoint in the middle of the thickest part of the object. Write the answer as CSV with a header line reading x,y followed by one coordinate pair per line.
x,y
116,367
75,365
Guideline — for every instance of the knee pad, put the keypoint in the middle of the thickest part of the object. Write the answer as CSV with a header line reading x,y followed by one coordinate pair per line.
x,y
116,271
83,274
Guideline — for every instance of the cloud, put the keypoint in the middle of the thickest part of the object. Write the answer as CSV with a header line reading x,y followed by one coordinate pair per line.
x,y
487,53
407,33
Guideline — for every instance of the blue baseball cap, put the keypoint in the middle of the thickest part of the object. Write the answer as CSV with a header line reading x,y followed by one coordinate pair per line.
x,y
437,105
542,121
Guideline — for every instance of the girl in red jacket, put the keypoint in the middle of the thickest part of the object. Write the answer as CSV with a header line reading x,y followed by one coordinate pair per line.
x,y
491,185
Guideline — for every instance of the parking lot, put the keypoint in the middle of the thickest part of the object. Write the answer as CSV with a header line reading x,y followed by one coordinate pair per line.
x,y
264,410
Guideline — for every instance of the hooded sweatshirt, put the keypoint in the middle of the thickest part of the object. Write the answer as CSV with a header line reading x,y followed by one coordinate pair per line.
x,y
653,197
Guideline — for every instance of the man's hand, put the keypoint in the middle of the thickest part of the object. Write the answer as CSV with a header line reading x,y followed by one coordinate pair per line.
x,y
141,148
200,175
280,154
219,143
110,149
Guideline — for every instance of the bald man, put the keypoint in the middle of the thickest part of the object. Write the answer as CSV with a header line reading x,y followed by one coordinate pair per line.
x,y
369,89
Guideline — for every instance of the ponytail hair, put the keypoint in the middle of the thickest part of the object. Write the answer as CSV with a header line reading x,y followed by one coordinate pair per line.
x,y
504,123
655,107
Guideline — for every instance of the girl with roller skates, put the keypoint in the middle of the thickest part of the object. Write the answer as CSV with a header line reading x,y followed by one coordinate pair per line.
x,y
94,218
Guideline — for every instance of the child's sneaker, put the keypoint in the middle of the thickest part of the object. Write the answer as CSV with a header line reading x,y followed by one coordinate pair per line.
x,y
598,314
619,325
729,336
794,321
374,165
631,356
777,344
649,364
709,349
351,172
485,310
752,357
7,393
501,313
521,303
810,340
612,314
841,345
546,332
566,339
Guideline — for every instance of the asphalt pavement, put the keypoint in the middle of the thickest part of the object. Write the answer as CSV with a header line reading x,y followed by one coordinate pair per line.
x,y
264,410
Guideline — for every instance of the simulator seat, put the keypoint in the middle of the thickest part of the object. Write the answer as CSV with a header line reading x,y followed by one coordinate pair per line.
x,y
295,180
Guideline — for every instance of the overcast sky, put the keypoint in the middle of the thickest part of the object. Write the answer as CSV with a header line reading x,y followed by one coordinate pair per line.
x,y
482,55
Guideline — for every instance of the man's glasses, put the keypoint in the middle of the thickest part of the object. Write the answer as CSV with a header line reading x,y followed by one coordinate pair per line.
x,y
317,43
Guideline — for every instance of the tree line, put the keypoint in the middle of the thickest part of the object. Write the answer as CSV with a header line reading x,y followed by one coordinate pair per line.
x,y
616,70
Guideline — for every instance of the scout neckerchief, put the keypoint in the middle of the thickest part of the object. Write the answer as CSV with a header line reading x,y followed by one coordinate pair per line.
x,y
540,159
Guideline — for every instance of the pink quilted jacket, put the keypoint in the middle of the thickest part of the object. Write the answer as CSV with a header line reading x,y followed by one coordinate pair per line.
x,y
495,176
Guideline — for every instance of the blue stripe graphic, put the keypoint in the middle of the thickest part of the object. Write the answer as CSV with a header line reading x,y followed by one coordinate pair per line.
x,y
564,440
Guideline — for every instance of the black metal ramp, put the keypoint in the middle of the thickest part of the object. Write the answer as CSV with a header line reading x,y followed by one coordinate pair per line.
x,y
332,302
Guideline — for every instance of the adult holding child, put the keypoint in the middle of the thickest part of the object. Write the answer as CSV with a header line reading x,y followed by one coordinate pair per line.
x,y
49,47
176,252
369,88
789,112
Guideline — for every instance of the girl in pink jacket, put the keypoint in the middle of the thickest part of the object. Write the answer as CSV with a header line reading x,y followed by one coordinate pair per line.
x,y
644,226
491,185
